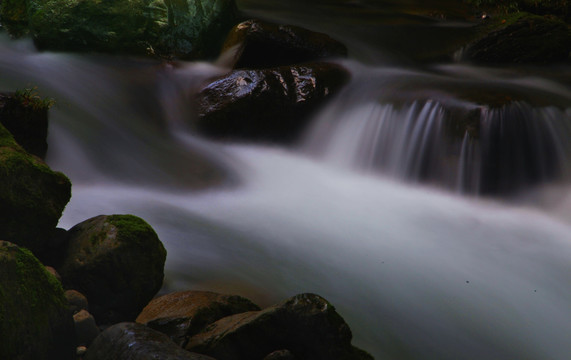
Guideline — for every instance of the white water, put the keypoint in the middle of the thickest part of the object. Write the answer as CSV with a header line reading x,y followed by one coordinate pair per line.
x,y
418,273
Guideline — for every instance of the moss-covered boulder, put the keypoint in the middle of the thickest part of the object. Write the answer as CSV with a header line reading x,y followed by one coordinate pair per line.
x,y
25,115
523,38
35,322
183,314
307,325
117,262
183,28
129,341
269,105
32,196
259,44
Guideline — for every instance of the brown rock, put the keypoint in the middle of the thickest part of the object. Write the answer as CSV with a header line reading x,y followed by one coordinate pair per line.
x,y
85,327
258,44
307,325
183,314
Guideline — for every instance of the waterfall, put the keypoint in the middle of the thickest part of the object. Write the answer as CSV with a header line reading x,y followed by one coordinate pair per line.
x,y
452,143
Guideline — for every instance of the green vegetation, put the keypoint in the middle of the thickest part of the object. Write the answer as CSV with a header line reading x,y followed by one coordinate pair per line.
x,y
29,97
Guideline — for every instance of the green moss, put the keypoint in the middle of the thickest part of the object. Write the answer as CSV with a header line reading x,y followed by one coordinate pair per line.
x,y
32,307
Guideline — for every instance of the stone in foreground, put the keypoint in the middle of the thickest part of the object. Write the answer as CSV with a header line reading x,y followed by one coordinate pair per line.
x,y
183,314
117,262
36,323
130,341
307,325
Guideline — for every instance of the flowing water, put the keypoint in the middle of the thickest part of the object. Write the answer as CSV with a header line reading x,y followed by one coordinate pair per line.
x,y
379,208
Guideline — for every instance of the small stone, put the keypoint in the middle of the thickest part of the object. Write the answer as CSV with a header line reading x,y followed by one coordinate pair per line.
x,y
85,327
81,350
77,301
54,272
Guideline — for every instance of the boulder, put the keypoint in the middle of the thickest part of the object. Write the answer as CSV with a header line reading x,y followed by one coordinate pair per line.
x,y
35,322
25,116
32,196
183,314
117,262
181,28
259,44
129,341
280,355
307,325
525,38
267,105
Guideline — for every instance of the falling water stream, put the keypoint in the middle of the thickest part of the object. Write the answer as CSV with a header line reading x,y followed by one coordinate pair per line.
x,y
378,208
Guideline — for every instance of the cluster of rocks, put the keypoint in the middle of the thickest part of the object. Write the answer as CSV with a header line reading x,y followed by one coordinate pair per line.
x,y
87,292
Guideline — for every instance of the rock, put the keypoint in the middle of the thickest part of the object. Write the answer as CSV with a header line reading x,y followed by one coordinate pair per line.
x,y
306,324
280,355
259,44
181,28
32,196
35,321
54,272
129,341
85,328
117,261
267,105
183,314
25,116
76,300
526,39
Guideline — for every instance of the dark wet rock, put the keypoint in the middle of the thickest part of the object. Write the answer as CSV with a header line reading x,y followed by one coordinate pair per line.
x,y
267,105
32,196
76,301
259,44
54,272
117,261
183,314
26,117
86,329
306,324
178,28
525,39
35,321
130,341
280,355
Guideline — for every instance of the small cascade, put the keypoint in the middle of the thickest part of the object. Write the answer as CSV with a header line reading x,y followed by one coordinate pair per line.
x,y
454,144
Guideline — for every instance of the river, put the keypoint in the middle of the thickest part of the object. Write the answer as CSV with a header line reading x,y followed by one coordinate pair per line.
x,y
362,210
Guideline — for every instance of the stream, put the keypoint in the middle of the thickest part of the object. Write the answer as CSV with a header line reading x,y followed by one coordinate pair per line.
x,y
373,208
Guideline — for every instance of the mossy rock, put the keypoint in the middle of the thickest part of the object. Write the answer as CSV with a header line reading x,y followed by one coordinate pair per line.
x,y
32,196
181,28
117,262
35,322
306,324
26,116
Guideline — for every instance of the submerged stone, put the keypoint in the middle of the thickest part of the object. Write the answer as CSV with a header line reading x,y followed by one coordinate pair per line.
x,y
181,28
183,314
525,38
35,321
260,44
117,262
266,105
